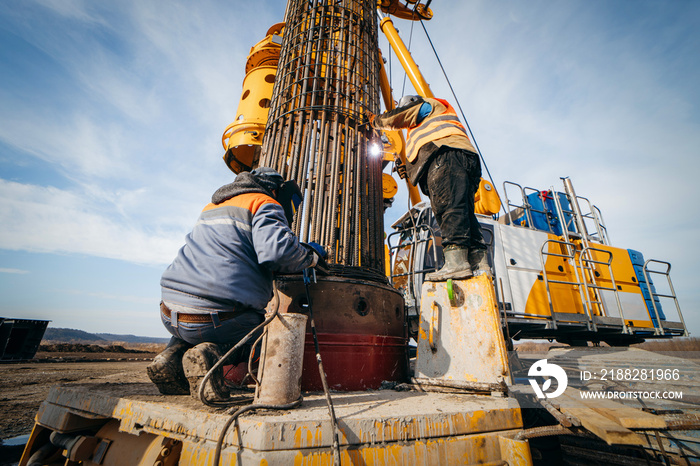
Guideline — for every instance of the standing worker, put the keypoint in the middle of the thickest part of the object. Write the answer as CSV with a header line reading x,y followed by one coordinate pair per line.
x,y
443,161
215,291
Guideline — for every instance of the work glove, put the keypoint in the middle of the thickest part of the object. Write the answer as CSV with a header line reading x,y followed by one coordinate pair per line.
x,y
320,254
367,121
400,167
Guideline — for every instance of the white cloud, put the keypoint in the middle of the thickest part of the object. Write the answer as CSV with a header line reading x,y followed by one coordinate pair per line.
x,y
135,97
14,271
47,219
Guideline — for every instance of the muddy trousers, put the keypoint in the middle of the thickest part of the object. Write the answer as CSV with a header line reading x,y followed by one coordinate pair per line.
x,y
451,181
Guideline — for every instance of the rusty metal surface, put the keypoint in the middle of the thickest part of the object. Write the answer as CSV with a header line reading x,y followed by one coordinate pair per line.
x,y
461,339
345,306
281,360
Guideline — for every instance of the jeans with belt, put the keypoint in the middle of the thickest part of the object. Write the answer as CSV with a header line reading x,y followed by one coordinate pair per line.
x,y
225,332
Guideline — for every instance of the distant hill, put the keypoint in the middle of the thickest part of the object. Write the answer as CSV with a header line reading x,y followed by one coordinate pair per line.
x,y
73,335
131,338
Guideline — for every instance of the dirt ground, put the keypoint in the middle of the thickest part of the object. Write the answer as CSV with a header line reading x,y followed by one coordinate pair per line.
x,y
25,385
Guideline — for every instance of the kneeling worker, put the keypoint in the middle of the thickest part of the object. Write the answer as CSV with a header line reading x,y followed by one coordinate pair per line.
x,y
443,161
215,291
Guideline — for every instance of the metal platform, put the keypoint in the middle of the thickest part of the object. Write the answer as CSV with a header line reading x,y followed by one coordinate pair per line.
x,y
377,427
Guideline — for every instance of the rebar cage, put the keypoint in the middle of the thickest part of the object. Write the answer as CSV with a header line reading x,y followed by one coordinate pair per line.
x,y
327,78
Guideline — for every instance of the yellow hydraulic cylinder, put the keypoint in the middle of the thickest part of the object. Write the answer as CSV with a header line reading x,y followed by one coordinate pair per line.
x,y
395,138
419,83
242,139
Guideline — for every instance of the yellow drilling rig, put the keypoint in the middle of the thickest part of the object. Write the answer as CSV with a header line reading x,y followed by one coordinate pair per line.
x,y
414,371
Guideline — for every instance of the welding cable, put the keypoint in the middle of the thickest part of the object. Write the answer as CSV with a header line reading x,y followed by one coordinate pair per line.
x,y
234,417
238,345
321,372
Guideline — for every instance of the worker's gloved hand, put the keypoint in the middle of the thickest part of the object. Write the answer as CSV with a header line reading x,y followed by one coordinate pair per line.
x,y
318,249
400,168
320,255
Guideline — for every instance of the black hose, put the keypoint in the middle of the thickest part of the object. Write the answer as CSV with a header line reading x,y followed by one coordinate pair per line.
x,y
322,373
234,417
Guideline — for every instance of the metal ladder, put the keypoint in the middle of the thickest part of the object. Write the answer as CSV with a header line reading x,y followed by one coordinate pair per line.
x,y
584,269
583,266
659,330
587,263
570,255
586,260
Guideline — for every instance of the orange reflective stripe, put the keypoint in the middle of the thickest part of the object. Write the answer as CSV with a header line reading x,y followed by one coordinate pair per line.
x,y
248,201
432,128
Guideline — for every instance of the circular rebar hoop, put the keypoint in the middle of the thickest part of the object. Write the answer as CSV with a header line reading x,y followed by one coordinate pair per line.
x,y
327,78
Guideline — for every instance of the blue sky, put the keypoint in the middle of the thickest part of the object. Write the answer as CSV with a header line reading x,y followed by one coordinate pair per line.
x,y
111,115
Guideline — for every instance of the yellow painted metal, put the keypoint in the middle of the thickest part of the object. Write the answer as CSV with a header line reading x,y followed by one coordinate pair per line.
x,y
462,340
419,83
389,186
394,146
267,51
396,8
515,452
396,138
483,449
378,427
37,431
242,139
116,448
387,259
486,199
624,275
566,298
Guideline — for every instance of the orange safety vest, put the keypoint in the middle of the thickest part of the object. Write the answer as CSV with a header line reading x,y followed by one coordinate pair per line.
x,y
434,127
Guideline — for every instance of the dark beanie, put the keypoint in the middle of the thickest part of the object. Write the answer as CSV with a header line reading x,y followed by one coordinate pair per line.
x,y
268,177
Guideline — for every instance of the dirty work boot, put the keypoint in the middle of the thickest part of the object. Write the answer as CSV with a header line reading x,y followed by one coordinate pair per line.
x,y
196,363
456,266
478,259
166,369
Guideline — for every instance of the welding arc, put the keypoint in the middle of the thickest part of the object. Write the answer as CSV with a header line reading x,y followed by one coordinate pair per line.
x,y
322,373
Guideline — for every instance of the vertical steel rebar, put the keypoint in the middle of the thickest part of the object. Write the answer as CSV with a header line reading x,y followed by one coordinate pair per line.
x,y
328,77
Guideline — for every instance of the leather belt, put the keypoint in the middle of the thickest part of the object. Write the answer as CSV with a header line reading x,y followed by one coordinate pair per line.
x,y
196,318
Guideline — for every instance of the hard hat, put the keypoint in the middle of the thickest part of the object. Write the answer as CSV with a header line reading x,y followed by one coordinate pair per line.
x,y
408,100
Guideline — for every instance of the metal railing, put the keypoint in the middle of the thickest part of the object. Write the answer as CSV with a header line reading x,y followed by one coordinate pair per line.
x,y
572,221
667,273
